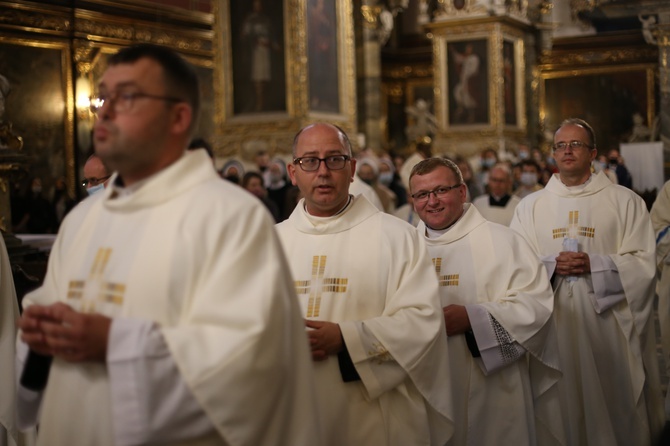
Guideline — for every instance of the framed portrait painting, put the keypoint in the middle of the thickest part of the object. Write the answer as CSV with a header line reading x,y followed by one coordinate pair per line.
x,y
509,77
258,56
606,97
322,56
39,106
467,92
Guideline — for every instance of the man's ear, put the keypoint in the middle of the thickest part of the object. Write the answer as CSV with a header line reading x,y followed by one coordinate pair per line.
x,y
290,168
182,116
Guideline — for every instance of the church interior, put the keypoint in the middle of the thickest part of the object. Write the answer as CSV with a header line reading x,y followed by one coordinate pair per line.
x,y
466,75
463,79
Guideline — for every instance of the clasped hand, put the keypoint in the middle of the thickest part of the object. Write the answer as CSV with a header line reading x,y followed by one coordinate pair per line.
x,y
325,339
58,330
572,263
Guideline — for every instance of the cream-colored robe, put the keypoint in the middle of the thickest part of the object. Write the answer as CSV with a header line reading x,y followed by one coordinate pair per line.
x,y
9,313
200,257
610,392
487,265
660,219
496,214
370,273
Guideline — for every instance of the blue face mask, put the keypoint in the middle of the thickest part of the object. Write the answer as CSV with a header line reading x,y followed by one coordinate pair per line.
x,y
386,178
95,189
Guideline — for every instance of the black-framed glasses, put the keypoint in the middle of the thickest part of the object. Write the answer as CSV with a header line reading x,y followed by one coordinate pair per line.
x,y
312,163
123,101
574,145
439,192
94,181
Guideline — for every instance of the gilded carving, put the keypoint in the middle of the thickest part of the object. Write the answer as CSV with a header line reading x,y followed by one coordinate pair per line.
x,y
596,57
40,20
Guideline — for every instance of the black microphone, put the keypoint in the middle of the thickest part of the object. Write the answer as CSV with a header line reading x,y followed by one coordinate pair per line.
x,y
36,371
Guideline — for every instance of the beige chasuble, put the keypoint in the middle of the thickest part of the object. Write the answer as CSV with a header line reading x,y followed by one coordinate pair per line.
x,y
199,257
610,393
370,273
488,265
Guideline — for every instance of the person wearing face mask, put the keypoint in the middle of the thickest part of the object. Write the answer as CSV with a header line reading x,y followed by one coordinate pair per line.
x,y
96,175
279,191
600,164
530,174
388,176
488,159
368,171
623,176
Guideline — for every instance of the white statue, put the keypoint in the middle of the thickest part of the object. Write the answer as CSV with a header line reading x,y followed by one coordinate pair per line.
x,y
425,123
647,25
640,131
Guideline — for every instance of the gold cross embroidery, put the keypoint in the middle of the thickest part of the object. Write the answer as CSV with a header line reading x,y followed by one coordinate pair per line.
x,y
107,292
446,279
311,287
573,229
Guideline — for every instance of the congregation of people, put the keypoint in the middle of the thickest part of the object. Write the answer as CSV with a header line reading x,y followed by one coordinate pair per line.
x,y
333,297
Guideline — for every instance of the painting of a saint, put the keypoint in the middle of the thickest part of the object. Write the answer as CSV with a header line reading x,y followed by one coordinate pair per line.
x,y
322,53
509,86
259,78
468,77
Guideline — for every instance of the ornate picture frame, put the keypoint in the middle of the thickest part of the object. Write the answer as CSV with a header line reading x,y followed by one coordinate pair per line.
x,y
309,97
40,105
606,97
466,84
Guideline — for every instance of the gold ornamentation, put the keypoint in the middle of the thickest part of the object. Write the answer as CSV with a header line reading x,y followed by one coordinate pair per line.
x,y
444,279
104,292
379,353
573,229
318,285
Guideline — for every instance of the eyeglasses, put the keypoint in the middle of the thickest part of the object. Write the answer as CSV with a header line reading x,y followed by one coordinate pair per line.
x,y
439,192
312,163
122,101
94,181
574,145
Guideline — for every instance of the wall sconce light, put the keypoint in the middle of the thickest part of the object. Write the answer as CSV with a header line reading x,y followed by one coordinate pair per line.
x,y
83,95
84,124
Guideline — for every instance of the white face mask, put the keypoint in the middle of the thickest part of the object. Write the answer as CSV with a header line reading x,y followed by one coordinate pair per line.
x,y
528,178
95,189
386,178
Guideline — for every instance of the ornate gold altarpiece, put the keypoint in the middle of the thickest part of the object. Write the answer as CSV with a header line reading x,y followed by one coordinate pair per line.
x,y
311,71
480,101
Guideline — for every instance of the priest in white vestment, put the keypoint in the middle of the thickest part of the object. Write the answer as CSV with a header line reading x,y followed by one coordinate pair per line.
x,y
660,219
167,306
370,302
497,304
9,313
499,204
597,243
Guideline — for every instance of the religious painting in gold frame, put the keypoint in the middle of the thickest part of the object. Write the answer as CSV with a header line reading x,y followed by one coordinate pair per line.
x,y
253,57
606,97
467,92
308,98
40,105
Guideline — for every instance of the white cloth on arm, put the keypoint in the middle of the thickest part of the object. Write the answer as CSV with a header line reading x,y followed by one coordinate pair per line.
x,y
150,399
496,346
